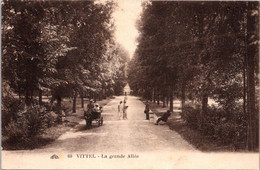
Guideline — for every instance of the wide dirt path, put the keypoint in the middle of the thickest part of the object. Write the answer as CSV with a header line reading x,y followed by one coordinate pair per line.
x,y
134,134
155,146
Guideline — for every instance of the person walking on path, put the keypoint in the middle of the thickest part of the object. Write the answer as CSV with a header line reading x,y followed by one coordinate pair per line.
x,y
125,110
120,110
164,117
146,110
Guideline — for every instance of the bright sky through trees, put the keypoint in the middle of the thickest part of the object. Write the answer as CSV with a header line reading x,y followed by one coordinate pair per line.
x,y
125,16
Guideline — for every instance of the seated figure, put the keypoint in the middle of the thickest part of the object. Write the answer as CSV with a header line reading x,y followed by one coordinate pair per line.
x,y
164,117
96,112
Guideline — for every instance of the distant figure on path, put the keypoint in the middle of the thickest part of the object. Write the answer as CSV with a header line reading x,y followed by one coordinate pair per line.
x,y
120,110
146,110
164,117
125,110
125,98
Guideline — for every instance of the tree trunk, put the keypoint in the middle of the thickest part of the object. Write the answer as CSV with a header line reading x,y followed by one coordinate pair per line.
x,y
183,96
164,101
40,97
104,93
27,99
82,100
90,95
171,99
203,109
245,79
59,113
153,95
158,97
74,103
204,103
95,97
100,96
19,93
251,106
252,51
31,97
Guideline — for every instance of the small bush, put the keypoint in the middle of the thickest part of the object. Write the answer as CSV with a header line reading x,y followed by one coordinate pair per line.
x,y
232,129
210,120
190,115
16,131
66,108
29,123
36,122
10,108
226,127
226,132
50,118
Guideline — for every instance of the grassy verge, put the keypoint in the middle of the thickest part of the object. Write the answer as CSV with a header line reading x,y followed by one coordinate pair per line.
x,y
51,134
193,136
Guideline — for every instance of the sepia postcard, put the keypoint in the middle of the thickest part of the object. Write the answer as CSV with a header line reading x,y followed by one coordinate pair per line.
x,y
129,84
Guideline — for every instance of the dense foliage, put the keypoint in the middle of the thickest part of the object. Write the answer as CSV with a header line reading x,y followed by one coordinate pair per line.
x,y
201,50
58,49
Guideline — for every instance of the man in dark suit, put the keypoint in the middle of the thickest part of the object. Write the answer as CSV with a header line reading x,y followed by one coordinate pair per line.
x,y
164,117
88,114
146,110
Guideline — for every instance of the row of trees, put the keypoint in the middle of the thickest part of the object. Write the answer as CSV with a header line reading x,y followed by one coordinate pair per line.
x,y
64,48
200,50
